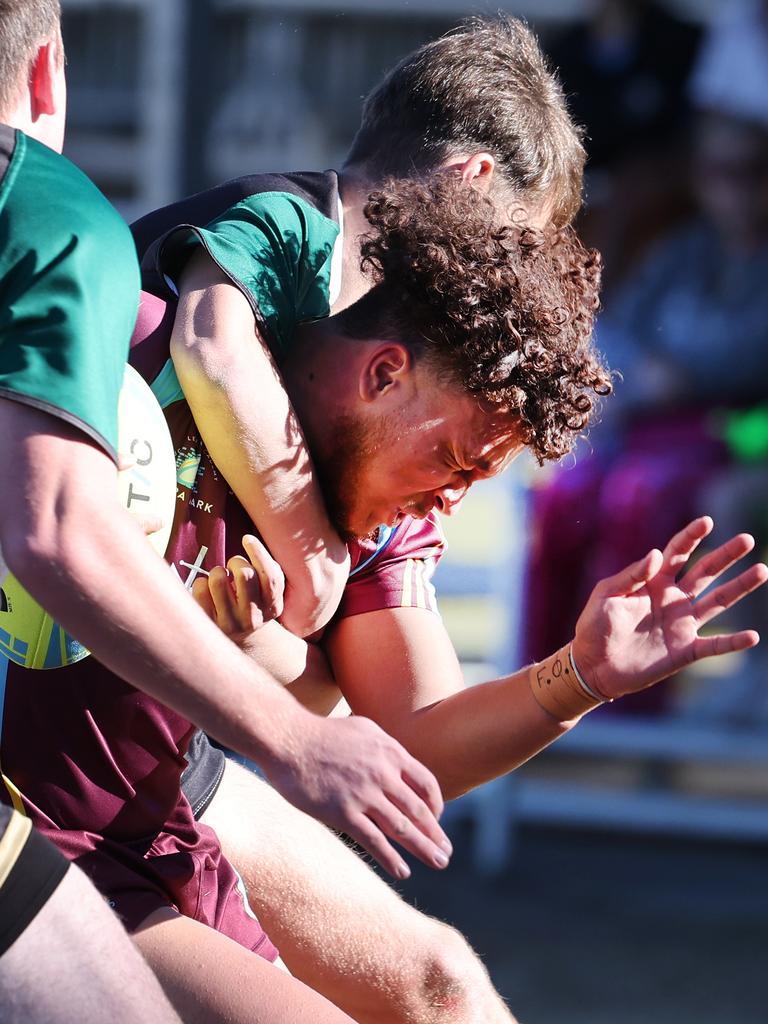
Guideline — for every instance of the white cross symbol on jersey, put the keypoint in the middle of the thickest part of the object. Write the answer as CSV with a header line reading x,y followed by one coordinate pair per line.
x,y
195,568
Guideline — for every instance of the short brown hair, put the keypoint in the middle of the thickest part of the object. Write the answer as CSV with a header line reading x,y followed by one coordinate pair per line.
x,y
24,25
484,86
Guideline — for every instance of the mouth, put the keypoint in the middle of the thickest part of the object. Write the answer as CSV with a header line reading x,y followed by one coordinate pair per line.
x,y
396,518
412,512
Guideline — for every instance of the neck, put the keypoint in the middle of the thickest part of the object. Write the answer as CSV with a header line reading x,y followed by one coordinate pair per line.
x,y
354,188
319,375
41,129
19,116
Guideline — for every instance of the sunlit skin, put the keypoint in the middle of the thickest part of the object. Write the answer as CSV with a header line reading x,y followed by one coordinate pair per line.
x,y
429,461
391,433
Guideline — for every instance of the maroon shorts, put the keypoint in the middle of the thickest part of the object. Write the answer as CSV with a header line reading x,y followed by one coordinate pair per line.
x,y
189,874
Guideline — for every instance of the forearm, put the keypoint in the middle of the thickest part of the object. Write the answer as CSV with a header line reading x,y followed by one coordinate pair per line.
x,y
300,666
249,427
479,733
86,561
398,667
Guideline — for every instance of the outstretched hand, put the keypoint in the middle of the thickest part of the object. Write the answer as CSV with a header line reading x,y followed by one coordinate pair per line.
x,y
642,624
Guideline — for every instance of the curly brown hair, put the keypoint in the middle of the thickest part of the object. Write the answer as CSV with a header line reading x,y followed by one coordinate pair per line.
x,y
506,312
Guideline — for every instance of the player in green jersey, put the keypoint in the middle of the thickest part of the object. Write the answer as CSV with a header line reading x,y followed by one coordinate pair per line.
x,y
63,954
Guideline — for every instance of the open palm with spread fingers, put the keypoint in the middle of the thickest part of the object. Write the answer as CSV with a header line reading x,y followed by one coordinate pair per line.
x,y
642,624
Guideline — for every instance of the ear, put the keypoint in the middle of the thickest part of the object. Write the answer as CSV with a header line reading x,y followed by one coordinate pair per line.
x,y
476,169
43,77
386,372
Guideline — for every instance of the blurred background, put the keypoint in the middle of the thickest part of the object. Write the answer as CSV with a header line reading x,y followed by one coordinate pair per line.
x,y
622,876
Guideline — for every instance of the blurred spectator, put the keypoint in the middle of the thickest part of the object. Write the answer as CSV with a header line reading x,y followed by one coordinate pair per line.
x,y
731,74
625,69
689,330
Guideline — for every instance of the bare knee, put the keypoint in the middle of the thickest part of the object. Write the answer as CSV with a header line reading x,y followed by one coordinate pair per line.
x,y
446,983
455,981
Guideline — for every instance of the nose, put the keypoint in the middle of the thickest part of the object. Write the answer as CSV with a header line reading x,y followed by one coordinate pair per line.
x,y
448,500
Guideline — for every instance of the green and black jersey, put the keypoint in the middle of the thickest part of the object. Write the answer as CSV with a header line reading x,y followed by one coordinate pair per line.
x,y
69,286
278,237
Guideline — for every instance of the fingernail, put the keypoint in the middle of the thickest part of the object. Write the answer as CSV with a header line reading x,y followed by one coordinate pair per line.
x,y
441,860
447,846
403,871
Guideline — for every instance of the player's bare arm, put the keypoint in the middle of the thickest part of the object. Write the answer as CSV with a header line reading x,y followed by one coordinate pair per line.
x,y
391,665
244,598
638,628
236,394
398,666
470,736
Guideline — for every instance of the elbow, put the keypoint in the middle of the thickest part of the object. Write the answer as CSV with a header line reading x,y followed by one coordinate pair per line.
x,y
183,339
185,349
311,606
33,552
192,354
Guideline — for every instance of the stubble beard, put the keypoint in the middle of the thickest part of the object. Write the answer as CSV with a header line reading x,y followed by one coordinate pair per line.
x,y
351,444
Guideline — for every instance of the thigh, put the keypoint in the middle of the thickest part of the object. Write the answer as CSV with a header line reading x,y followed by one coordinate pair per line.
x,y
74,962
31,869
209,978
183,869
337,925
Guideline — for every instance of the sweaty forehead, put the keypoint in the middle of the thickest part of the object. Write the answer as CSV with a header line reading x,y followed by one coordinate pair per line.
x,y
496,440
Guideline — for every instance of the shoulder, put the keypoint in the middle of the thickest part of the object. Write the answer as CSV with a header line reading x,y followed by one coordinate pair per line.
x,y
71,197
69,286
411,539
395,571
75,220
318,191
265,231
295,218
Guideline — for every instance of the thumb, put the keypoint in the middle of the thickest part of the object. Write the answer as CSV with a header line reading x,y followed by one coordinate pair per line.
x,y
149,523
635,576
